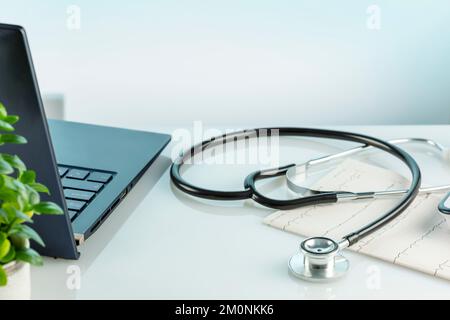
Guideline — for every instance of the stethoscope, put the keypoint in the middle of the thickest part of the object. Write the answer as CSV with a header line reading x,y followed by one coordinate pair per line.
x,y
319,258
329,264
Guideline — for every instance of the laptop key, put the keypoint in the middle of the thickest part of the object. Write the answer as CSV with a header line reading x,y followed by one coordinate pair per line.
x,y
72,214
78,194
62,171
81,185
75,204
99,177
77,174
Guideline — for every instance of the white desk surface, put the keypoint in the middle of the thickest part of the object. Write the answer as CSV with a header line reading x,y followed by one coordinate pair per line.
x,y
161,244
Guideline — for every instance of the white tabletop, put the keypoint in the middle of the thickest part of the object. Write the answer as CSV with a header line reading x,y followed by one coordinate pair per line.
x,y
161,244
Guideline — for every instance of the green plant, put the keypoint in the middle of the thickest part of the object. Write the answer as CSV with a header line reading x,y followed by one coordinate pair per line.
x,y
19,201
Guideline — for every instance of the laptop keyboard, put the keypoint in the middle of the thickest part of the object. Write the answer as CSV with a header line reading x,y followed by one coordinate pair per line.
x,y
81,186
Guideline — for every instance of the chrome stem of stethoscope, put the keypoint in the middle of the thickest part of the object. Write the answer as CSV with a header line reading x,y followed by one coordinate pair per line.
x,y
319,260
300,169
351,151
346,196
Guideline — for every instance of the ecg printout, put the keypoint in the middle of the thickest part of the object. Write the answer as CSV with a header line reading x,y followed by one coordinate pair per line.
x,y
419,238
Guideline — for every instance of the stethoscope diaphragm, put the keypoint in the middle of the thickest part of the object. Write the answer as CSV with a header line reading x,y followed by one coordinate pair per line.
x,y
319,260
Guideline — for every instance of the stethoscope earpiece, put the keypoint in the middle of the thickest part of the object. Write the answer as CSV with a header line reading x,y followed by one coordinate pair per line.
x,y
319,260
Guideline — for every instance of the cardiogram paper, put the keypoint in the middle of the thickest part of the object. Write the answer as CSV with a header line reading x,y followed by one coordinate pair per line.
x,y
418,239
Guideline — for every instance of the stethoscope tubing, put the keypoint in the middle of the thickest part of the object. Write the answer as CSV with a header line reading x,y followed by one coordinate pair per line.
x,y
251,191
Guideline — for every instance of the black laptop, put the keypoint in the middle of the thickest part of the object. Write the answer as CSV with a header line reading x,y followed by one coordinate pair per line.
x,y
88,169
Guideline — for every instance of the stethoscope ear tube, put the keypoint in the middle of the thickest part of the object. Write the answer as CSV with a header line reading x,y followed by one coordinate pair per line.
x,y
250,183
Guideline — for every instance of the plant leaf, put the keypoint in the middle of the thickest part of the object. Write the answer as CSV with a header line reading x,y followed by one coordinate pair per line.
x,y
3,237
5,167
23,217
8,195
3,112
3,277
3,217
28,176
47,208
18,242
33,197
5,245
11,119
24,231
14,161
38,187
16,185
14,213
30,256
5,126
10,256
12,138
14,191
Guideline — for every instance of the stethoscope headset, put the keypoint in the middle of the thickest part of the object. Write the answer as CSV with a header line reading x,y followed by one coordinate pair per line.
x,y
319,258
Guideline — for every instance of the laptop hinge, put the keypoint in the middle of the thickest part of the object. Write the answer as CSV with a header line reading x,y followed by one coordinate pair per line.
x,y
79,238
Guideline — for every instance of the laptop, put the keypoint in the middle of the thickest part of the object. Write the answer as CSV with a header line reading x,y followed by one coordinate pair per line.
x,y
88,169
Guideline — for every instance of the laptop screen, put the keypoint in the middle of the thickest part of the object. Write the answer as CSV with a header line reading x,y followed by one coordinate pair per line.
x,y
19,93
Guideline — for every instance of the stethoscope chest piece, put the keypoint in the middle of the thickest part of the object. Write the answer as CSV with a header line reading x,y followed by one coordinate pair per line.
x,y
319,260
